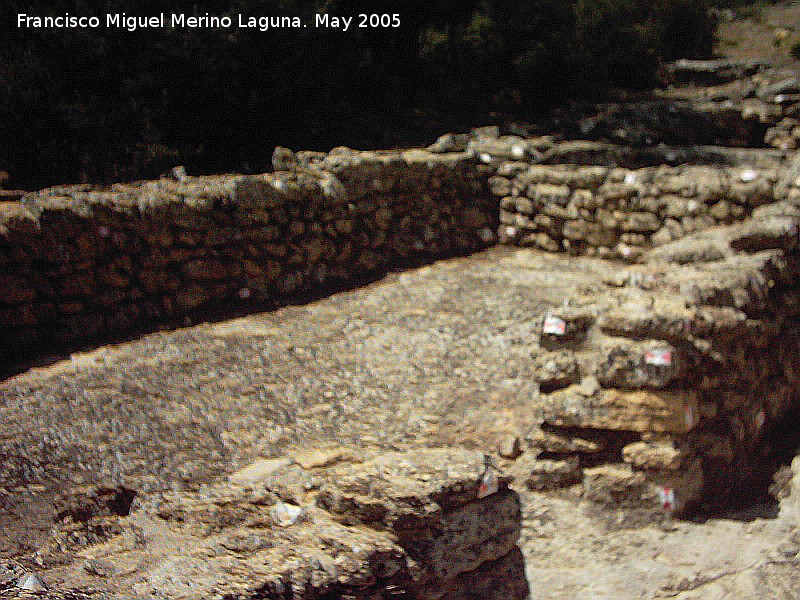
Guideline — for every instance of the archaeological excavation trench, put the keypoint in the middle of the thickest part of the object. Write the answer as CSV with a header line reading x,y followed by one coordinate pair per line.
x,y
625,315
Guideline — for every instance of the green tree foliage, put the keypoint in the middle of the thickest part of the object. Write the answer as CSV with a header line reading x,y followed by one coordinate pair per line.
x,y
107,104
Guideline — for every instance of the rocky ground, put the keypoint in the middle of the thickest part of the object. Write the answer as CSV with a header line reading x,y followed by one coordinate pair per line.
x,y
438,356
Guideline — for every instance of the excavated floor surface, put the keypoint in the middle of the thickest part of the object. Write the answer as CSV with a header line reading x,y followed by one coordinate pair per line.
x,y
435,356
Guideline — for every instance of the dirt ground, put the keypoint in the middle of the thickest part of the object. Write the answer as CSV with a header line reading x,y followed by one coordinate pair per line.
x,y
764,32
574,552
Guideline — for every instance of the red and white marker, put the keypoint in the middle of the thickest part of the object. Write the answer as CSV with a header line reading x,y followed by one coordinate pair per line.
x,y
659,358
667,497
489,484
554,325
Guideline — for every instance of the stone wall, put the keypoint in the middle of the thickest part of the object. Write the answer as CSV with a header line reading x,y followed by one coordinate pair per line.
x,y
79,263
615,212
82,263
670,385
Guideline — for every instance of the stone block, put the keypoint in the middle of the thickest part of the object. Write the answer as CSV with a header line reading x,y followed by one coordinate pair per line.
x,y
643,411
653,456
594,234
616,485
553,474
561,442
500,186
555,370
642,222
636,365
545,194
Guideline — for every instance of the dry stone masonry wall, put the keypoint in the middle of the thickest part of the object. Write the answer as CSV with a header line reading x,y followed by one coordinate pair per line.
x,y
669,387
78,263
612,212
666,379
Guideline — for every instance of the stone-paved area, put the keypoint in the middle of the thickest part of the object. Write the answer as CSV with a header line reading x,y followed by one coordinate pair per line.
x,y
435,356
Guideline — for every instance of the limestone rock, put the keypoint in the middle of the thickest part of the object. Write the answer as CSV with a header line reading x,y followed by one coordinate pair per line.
x,y
641,222
767,234
284,159
594,234
324,457
553,474
511,447
661,411
397,485
565,175
653,456
450,142
407,523
555,370
31,583
501,148
616,485
556,442
769,91
500,186
691,250
257,471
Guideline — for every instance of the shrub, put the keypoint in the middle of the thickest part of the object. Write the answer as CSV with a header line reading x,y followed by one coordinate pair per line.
x,y
622,42
103,104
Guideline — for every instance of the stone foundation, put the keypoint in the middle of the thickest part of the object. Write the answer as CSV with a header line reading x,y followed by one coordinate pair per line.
x,y
615,213
680,370
684,361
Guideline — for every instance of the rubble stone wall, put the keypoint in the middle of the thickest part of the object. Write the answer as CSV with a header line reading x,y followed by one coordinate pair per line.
x,y
78,262
679,376
615,212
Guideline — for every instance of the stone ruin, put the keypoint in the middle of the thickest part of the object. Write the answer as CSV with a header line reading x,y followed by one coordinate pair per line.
x,y
417,524
666,385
